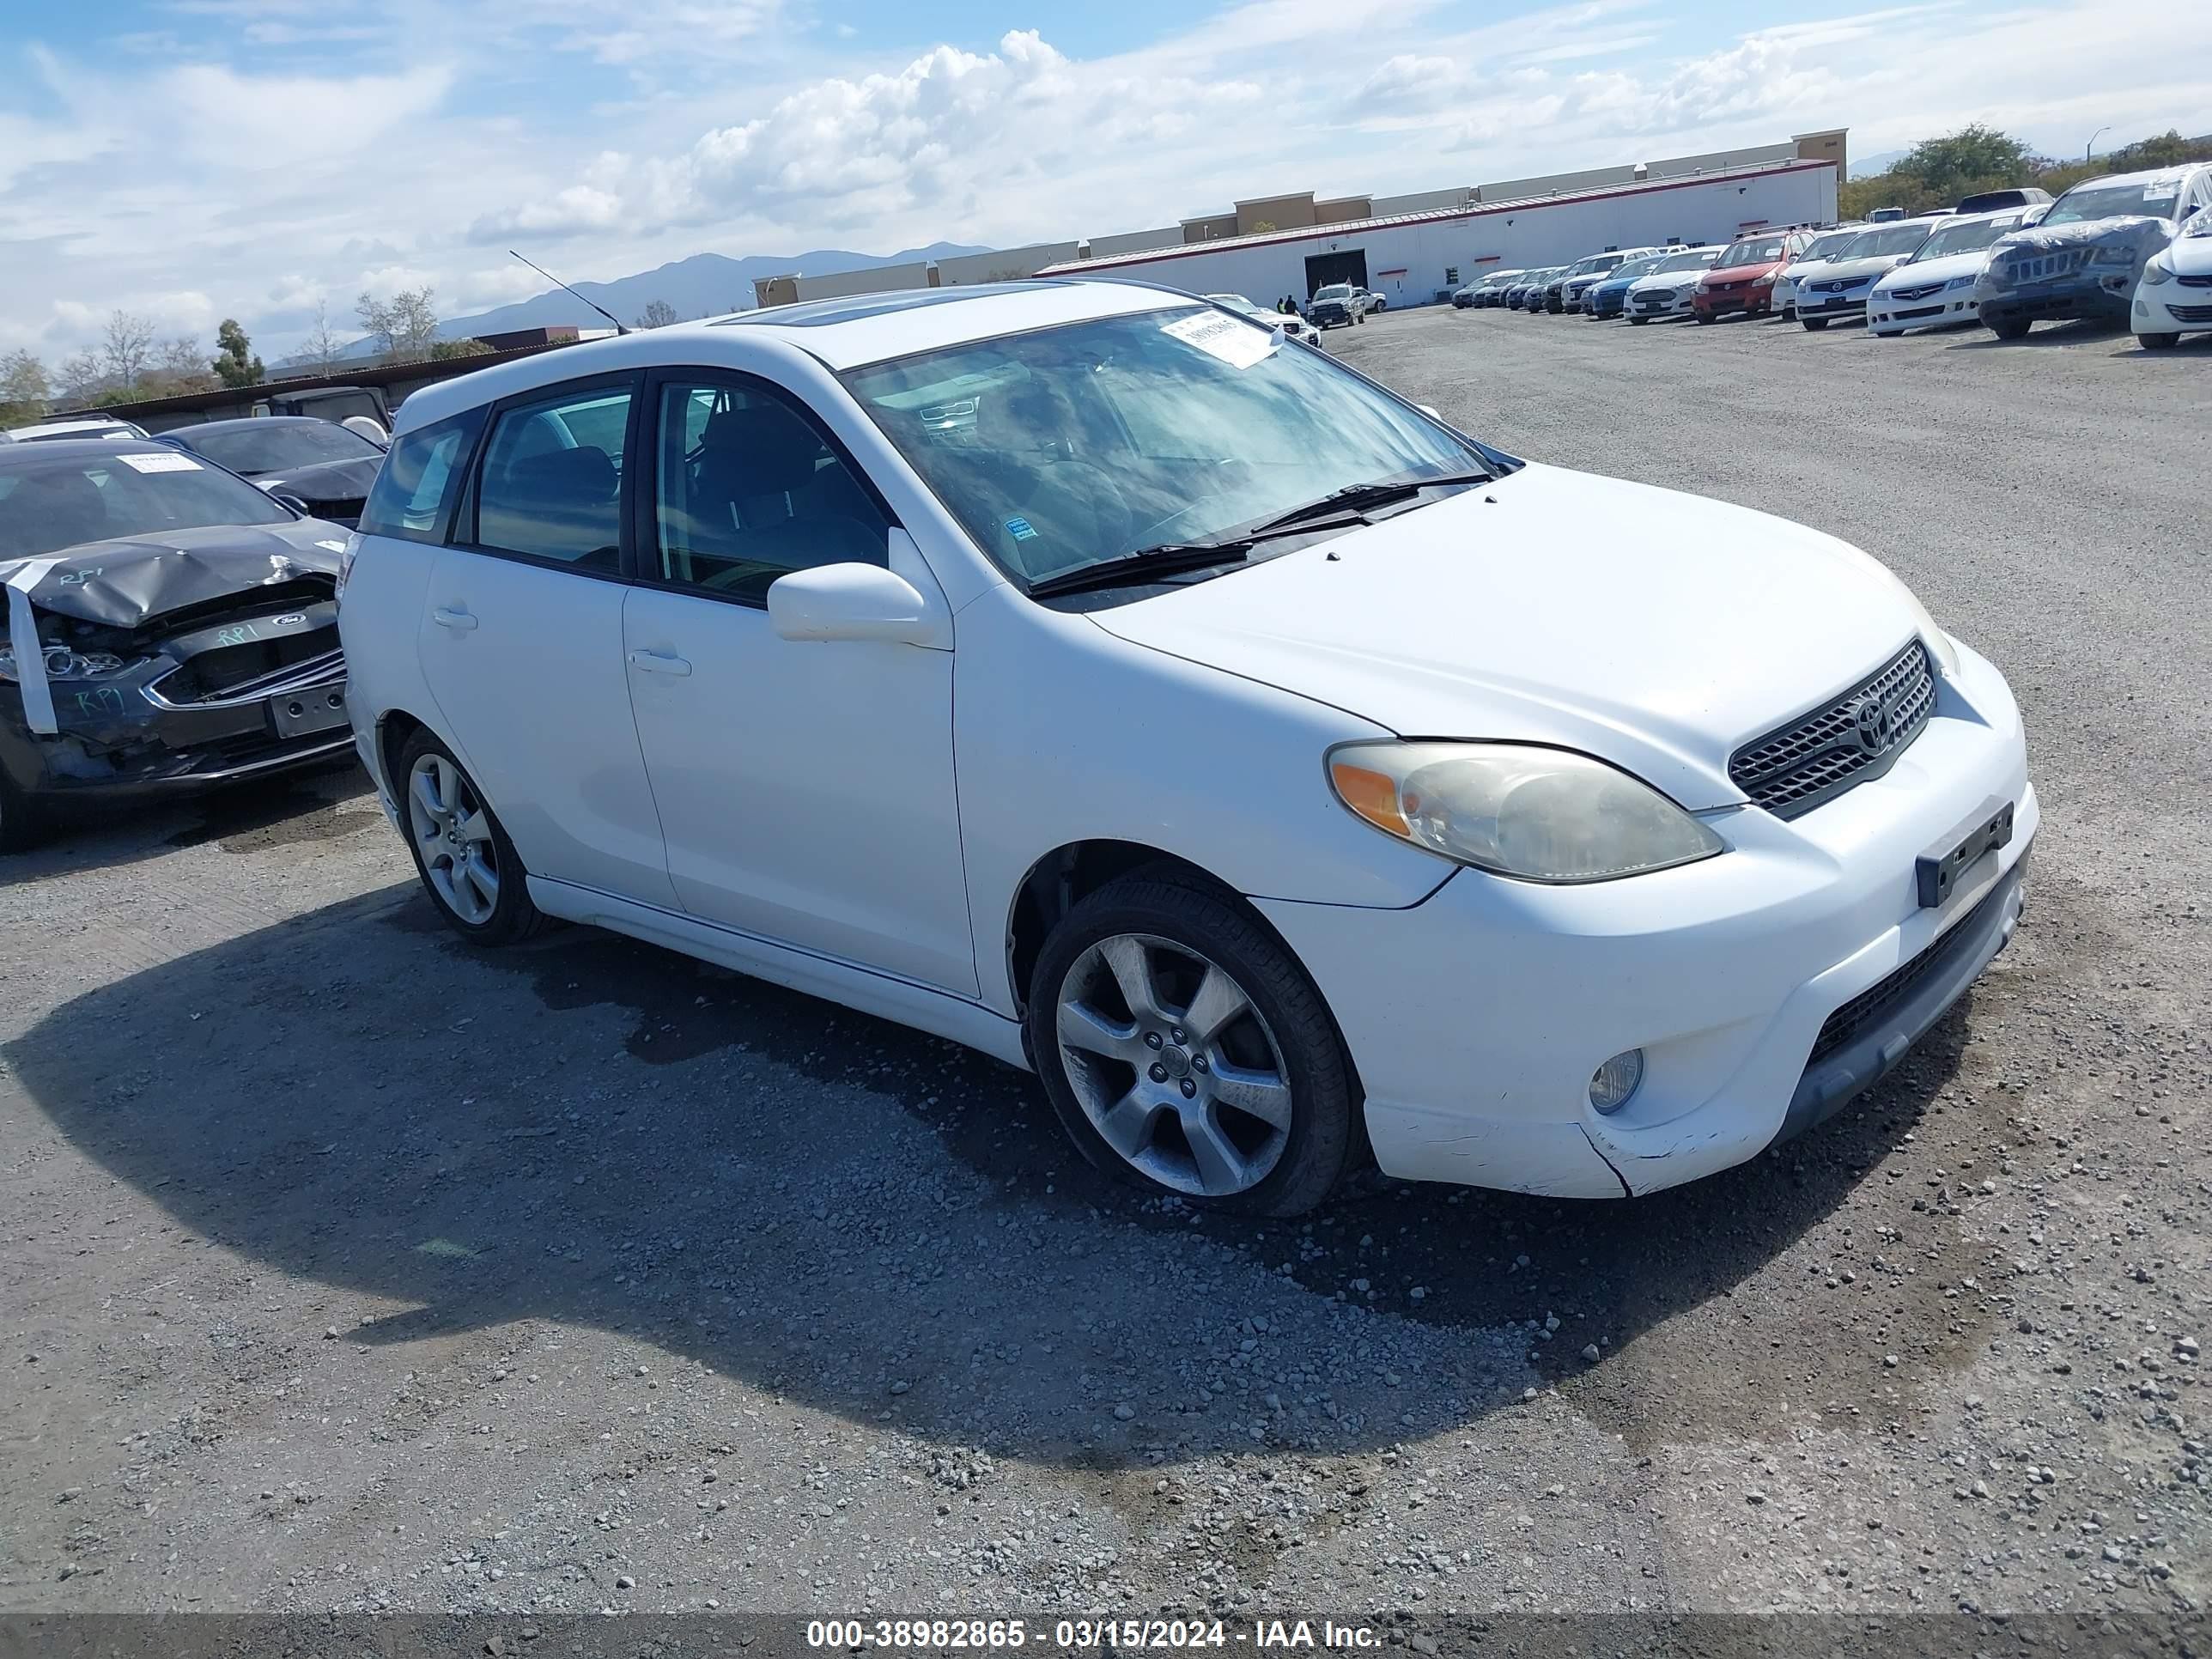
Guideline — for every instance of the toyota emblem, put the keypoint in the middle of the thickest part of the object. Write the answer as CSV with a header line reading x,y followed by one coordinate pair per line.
x,y
1870,724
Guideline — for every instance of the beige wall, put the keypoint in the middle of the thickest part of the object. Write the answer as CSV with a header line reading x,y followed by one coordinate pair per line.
x,y
1005,263
776,290
1292,212
1341,209
1134,241
1422,201
880,280
1827,146
1205,229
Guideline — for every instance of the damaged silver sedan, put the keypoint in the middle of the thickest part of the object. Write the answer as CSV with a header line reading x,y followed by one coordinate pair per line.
x,y
168,627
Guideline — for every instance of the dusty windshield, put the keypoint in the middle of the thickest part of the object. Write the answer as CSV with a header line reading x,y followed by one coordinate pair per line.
x,y
1964,238
1751,253
66,501
1075,445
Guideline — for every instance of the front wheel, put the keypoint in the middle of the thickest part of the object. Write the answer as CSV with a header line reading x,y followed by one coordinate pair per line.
x,y
23,824
2010,328
2158,342
1639,321
1184,1049
468,866
1815,324
1703,316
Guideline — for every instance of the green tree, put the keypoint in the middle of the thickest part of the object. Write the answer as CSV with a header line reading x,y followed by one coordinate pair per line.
x,y
24,389
405,325
659,313
235,365
444,351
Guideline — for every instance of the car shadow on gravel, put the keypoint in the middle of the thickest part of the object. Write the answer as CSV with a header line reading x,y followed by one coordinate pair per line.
x,y
320,805
590,1131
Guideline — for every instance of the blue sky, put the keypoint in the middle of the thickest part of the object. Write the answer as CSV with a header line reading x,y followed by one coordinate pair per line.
x,y
189,160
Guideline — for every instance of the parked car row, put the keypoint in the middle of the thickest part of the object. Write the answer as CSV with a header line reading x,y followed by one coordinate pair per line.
x,y
976,553
2132,246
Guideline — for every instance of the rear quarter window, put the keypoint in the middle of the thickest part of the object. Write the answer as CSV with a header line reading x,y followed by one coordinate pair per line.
x,y
412,498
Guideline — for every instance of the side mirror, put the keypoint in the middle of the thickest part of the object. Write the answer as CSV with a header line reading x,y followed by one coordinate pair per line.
x,y
293,501
849,602
1431,411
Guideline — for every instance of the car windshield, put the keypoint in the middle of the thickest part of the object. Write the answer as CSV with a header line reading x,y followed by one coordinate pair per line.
x,y
66,500
1335,291
1096,440
1829,246
277,446
2111,201
1890,238
1764,252
1695,259
1965,239
1635,268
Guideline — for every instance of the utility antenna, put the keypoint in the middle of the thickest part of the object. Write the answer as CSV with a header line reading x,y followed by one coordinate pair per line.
x,y
619,328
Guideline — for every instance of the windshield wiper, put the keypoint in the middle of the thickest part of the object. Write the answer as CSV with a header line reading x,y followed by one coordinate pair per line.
x,y
1165,560
1363,496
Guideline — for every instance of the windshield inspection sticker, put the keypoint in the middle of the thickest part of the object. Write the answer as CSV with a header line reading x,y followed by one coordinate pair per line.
x,y
1021,530
170,462
1236,343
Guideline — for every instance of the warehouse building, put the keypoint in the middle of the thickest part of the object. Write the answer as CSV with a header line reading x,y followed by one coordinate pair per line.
x,y
1413,257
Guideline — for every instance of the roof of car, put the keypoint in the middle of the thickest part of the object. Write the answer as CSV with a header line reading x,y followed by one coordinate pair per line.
x,y
842,333
261,422
2178,172
16,458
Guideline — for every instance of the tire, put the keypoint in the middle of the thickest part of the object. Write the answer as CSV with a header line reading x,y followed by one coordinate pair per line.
x,y
1279,1043
2010,328
1639,321
2158,342
442,843
1703,316
23,822
1815,324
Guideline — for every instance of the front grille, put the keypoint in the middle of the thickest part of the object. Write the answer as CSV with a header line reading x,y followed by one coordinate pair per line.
x,y
2194,282
248,669
1845,742
1885,993
2191,313
1916,313
1920,292
2040,268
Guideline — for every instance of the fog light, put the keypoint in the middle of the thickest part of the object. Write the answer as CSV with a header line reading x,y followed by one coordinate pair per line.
x,y
1612,1083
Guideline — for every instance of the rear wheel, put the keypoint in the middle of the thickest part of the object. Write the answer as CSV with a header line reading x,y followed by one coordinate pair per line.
x,y
2010,328
1184,1049
468,866
2158,342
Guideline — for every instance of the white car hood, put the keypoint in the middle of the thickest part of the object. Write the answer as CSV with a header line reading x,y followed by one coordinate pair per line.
x,y
1667,279
2190,254
1918,273
1656,629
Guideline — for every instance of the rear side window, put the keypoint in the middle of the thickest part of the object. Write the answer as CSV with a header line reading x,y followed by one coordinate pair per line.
x,y
551,486
412,496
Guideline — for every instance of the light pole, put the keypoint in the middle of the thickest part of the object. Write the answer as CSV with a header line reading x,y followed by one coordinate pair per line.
x,y
2089,149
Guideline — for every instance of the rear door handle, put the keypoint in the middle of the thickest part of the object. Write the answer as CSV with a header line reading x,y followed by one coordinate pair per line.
x,y
454,618
654,662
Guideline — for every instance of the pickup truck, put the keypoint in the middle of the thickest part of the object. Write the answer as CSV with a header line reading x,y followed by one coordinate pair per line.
x,y
1338,303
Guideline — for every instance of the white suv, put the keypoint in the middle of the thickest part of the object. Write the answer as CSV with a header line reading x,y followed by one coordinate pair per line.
x,y
1083,673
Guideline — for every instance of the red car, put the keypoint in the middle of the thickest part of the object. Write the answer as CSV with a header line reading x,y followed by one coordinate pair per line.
x,y
1742,278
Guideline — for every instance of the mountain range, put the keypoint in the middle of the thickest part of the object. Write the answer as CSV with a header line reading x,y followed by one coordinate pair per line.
x,y
704,285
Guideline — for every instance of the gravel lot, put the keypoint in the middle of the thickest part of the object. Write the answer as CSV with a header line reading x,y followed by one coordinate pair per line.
x,y
344,1269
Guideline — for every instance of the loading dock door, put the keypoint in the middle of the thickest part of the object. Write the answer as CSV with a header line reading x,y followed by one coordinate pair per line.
x,y
1322,269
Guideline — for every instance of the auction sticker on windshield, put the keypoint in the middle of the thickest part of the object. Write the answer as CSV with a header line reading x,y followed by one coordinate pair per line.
x,y
1238,344
171,461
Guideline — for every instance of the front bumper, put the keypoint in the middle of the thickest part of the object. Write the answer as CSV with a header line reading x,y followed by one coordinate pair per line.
x,y
1749,301
1834,307
2172,308
1667,303
116,743
1893,312
1477,1017
2081,294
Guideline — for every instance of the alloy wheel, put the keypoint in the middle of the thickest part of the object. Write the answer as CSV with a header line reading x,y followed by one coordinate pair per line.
x,y
453,833
1174,1065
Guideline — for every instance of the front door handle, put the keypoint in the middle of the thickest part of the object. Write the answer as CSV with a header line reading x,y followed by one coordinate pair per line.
x,y
454,616
654,662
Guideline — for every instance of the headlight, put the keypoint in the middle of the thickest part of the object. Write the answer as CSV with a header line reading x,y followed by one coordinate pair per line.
x,y
2113,254
1767,281
63,664
1958,282
2157,273
1517,809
